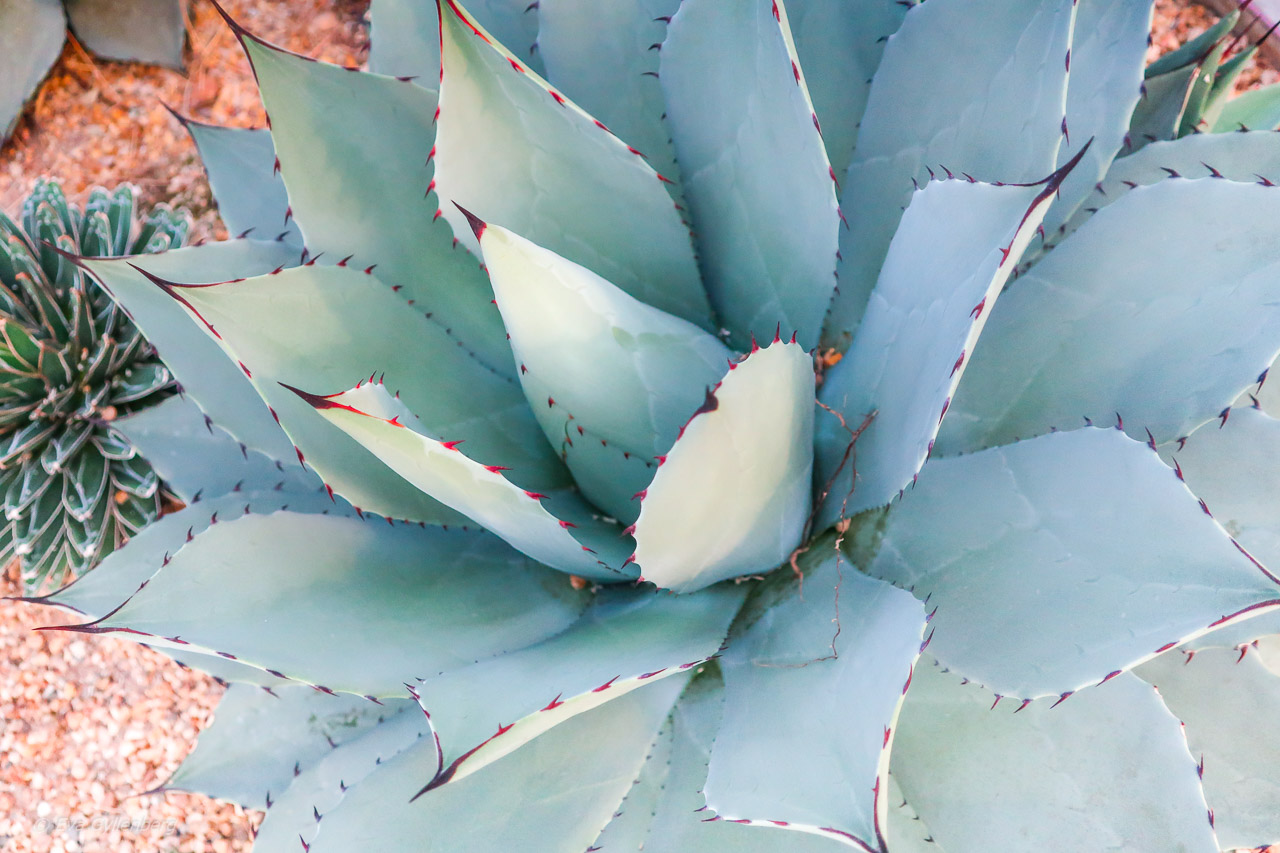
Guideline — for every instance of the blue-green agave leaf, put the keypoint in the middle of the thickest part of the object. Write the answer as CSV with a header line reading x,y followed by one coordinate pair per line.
x,y
840,44
194,456
1164,326
555,528
1220,696
1257,109
1108,52
248,189
605,57
909,832
219,387
31,37
767,224
1195,49
364,197
259,739
319,788
954,251
223,671
625,641
732,497
580,191
552,795
405,34
348,605
1083,522
1159,111
1244,157
996,112
152,31
1108,770
357,327
842,647
593,356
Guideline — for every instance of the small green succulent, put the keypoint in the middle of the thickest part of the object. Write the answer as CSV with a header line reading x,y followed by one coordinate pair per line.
x,y
645,534
71,361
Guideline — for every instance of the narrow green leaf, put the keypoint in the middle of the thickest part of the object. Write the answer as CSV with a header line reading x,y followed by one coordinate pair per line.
x,y
732,497
520,154
1257,109
1084,557
767,224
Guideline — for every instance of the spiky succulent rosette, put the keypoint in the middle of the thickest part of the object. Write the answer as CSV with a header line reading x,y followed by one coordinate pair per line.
x,y
71,362
607,564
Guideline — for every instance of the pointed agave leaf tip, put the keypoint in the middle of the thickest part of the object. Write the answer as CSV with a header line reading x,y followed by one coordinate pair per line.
x,y
477,224
319,401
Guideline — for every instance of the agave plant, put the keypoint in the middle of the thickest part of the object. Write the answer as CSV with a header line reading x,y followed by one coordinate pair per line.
x,y
70,363
645,535
32,33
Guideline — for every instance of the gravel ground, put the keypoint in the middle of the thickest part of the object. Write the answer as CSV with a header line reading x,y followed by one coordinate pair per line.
x,y
87,724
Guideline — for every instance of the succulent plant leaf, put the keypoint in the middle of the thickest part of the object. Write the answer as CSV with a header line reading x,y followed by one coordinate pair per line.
x,y
603,57
193,455
1106,770
1245,157
1192,312
1194,49
1192,120
1256,109
920,118
151,31
1220,696
1159,111
416,600
1223,88
249,191
363,197
593,356
320,788
733,495
955,248
364,329
869,636
405,35
767,226
216,384
31,36
259,739
556,528
907,830
625,641
552,795
1083,522
665,809
580,191
841,48
1108,53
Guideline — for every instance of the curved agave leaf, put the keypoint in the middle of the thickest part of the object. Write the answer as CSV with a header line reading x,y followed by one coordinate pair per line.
x,y
194,457
355,323
259,739
321,787
1159,113
954,251
151,31
920,117
1243,157
552,795
626,640
592,354
31,36
604,57
732,496
564,535
1220,696
842,647
1116,318
1107,56
406,34
908,832
1108,770
1257,109
580,191
248,189
1084,557
840,44
767,224
367,196
215,383
352,606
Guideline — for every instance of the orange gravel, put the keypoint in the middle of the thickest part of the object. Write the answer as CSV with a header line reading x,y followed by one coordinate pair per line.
x,y
89,723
